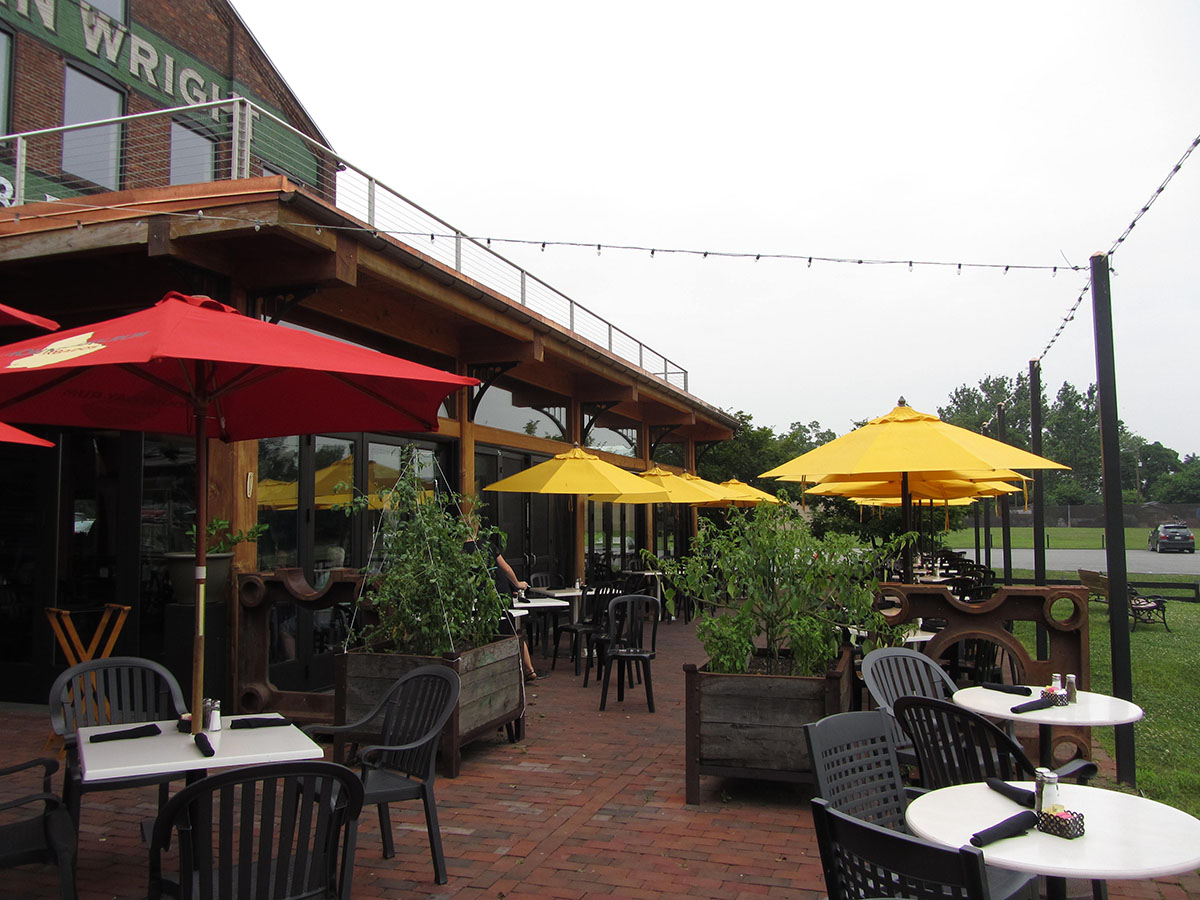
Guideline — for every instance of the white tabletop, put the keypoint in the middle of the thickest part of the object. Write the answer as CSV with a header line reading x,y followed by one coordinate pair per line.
x,y
563,593
1125,836
175,751
1089,709
540,603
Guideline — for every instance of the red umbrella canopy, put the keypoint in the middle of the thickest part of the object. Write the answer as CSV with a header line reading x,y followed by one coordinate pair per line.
x,y
150,370
191,365
10,435
11,316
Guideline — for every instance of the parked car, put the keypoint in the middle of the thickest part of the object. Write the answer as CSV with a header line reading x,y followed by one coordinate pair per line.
x,y
1171,537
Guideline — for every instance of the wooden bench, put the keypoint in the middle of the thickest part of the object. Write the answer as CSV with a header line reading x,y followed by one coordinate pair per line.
x,y
1147,610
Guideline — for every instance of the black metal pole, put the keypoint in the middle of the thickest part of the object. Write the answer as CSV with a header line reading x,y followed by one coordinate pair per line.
x,y
1039,498
978,558
906,525
987,527
1005,532
1114,519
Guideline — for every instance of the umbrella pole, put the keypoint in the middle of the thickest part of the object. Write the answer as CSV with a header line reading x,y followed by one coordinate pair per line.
x,y
201,568
906,527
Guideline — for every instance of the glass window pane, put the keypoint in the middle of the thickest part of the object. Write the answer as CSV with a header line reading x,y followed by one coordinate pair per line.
x,y
92,153
192,155
334,463
114,9
5,56
278,494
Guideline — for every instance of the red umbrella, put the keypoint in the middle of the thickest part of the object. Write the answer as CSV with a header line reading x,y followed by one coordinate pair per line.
x,y
10,435
11,316
191,365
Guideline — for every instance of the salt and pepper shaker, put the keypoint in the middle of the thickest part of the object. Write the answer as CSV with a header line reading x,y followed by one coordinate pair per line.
x,y
214,716
1056,682
1039,788
1072,689
1050,792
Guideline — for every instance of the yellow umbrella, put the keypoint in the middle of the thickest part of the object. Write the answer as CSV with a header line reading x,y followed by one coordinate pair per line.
x,y
976,475
714,491
738,493
678,489
906,441
578,472
918,488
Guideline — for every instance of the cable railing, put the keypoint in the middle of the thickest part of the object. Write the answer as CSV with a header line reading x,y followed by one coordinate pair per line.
x,y
231,139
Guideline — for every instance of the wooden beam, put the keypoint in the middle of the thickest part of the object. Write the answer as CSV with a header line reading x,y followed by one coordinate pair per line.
x,y
492,348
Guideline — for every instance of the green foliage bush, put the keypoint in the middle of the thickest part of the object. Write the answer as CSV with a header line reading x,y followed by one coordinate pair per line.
x,y
763,579
429,597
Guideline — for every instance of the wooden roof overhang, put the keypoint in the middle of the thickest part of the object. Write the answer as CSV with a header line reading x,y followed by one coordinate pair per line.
x,y
288,254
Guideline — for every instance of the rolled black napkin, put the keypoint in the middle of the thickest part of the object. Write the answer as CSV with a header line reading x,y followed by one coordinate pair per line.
x,y
259,722
1040,703
1016,794
205,744
135,732
1010,827
1009,688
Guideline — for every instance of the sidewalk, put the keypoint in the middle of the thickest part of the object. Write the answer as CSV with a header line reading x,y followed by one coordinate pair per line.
x,y
590,804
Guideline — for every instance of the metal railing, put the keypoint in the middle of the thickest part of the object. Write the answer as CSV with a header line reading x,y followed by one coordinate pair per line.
x,y
230,139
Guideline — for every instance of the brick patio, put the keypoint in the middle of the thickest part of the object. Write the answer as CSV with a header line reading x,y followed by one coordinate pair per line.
x,y
590,804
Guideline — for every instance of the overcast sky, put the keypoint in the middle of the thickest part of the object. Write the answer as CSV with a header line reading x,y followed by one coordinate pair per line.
x,y
1026,133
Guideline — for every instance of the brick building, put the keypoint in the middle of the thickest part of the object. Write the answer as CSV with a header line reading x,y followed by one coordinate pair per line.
x,y
152,147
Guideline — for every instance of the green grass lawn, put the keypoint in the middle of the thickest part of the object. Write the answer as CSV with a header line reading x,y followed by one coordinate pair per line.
x,y
1166,686
1056,538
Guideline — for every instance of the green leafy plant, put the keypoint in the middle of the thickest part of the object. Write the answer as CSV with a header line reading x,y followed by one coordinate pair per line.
x,y
222,538
763,581
429,597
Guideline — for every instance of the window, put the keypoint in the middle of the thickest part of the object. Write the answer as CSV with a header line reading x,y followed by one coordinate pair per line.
x,y
192,155
5,73
114,9
92,153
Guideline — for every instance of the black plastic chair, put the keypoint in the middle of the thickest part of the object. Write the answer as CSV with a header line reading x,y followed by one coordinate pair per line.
x,y
626,644
893,672
857,771
401,764
957,746
45,836
271,832
593,604
864,860
119,690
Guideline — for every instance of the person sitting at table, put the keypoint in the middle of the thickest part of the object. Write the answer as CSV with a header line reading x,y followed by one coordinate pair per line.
x,y
507,583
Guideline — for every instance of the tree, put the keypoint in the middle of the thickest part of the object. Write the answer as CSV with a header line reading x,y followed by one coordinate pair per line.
x,y
1072,437
1182,486
972,407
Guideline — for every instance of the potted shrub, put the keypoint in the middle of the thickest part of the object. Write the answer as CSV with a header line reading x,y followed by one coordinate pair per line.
x,y
181,565
776,608
431,602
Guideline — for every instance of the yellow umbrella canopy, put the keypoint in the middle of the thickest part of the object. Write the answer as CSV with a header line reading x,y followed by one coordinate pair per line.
x,y
579,472
919,488
976,475
906,440
678,489
738,493
714,491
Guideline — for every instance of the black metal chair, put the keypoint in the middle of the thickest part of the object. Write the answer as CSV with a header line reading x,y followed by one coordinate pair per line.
x,y
893,672
119,690
626,644
864,860
44,836
279,831
401,763
956,746
857,771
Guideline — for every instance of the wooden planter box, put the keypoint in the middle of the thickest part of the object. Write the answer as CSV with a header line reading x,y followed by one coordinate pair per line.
x,y
752,726
493,691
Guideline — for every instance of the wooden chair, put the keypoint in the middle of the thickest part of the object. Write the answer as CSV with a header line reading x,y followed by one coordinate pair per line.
x,y
402,762
280,831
